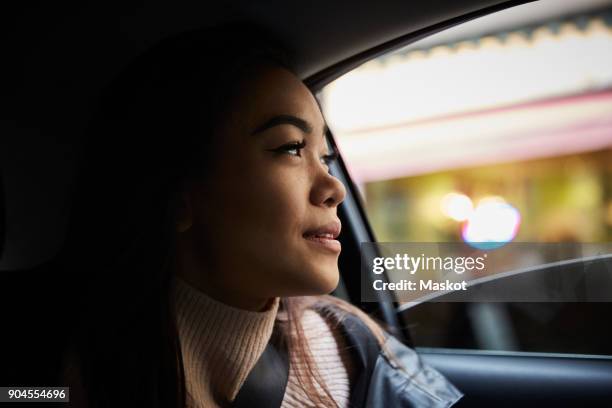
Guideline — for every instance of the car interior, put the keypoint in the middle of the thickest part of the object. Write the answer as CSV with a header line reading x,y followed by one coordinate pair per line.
x,y
60,56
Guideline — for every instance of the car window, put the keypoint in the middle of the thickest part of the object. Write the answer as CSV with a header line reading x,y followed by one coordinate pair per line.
x,y
499,129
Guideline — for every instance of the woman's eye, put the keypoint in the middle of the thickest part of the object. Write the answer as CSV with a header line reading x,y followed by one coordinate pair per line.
x,y
327,159
292,149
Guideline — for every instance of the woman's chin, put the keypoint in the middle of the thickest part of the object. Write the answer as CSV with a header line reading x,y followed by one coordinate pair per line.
x,y
325,281
307,280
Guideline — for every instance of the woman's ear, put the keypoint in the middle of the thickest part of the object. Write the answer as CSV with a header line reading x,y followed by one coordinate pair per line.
x,y
185,213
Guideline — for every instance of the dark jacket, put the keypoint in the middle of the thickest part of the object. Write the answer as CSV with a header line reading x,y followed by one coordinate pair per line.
x,y
389,377
394,375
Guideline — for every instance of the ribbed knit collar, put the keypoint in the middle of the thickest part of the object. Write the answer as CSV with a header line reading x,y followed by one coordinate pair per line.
x,y
220,343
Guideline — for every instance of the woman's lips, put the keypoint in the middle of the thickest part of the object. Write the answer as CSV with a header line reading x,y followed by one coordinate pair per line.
x,y
325,241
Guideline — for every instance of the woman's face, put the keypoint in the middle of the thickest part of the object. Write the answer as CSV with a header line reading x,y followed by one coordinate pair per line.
x,y
264,226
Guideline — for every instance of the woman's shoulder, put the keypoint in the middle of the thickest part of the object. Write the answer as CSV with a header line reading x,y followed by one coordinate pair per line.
x,y
329,349
337,311
352,330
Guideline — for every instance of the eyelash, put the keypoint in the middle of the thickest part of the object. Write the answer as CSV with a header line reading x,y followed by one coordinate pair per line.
x,y
291,146
330,158
327,158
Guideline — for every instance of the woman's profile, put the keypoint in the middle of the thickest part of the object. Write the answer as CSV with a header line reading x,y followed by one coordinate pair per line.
x,y
204,229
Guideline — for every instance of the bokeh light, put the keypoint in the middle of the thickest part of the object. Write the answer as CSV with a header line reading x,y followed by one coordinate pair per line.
x,y
492,221
456,206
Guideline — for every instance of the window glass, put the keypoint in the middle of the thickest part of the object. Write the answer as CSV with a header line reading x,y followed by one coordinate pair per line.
x,y
515,107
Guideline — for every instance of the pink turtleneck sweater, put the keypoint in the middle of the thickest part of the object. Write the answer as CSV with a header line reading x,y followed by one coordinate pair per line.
x,y
221,344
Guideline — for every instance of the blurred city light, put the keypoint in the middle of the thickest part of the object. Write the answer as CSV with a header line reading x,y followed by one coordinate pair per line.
x,y
491,221
456,206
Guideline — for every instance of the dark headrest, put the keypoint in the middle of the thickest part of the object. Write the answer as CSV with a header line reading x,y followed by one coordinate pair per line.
x,y
37,173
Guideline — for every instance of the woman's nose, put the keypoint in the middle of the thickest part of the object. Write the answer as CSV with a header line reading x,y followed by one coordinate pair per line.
x,y
327,190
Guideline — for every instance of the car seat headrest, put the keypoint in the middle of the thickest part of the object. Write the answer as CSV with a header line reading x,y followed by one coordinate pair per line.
x,y
37,172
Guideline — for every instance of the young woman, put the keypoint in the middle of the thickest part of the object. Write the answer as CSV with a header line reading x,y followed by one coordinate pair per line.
x,y
204,228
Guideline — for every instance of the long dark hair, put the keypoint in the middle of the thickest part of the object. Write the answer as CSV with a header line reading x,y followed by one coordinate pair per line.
x,y
154,129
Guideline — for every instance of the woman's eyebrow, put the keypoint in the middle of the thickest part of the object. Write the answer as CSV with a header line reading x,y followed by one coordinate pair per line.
x,y
277,120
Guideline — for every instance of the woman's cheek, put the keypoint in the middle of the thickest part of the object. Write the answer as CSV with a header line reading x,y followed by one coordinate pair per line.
x,y
271,189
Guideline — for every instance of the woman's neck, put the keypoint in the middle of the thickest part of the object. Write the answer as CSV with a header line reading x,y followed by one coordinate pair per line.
x,y
192,272
228,297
